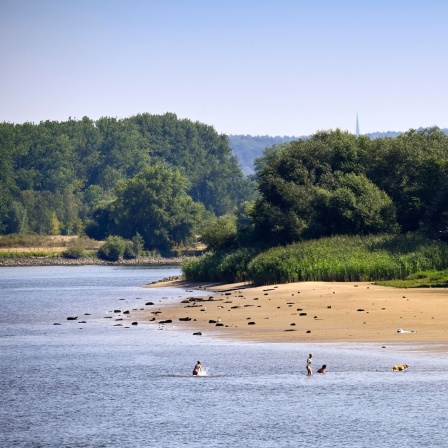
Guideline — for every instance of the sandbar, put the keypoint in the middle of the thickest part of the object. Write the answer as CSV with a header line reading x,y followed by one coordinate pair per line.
x,y
311,312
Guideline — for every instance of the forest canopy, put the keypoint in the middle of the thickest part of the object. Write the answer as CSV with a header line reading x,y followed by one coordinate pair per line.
x,y
168,179
60,177
336,183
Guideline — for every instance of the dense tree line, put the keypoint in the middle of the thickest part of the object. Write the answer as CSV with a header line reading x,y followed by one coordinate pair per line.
x,y
64,177
336,183
337,207
166,179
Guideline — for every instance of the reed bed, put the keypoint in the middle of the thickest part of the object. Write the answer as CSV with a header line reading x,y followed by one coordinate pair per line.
x,y
339,258
221,266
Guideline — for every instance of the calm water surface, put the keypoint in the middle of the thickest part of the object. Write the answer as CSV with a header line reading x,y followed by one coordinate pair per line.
x,y
101,385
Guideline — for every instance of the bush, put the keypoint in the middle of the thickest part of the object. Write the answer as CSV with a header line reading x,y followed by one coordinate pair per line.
x,y
113,249
75,251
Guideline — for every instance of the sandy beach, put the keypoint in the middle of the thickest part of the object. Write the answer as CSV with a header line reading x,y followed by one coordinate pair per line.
x,y
311,312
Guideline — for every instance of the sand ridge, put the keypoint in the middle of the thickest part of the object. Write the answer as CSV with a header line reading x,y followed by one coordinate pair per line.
x,y
312,312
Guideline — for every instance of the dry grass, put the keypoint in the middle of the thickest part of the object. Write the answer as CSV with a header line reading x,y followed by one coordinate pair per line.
x,y
45,243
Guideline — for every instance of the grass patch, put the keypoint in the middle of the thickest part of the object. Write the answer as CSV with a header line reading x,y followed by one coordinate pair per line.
x,y
426,279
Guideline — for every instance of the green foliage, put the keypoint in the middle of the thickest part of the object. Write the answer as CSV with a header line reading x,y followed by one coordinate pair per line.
x,y
133,248
113,249
336,183
345,258
61,172
355,206
138,244
220,266
129,250
412,169
425,279
75,251
221,233
155,205
341,258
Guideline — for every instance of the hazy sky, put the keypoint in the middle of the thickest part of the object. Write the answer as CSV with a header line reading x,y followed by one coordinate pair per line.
x,y
260,67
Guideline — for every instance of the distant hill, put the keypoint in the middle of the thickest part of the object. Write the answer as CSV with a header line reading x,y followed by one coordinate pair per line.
x,y
248,147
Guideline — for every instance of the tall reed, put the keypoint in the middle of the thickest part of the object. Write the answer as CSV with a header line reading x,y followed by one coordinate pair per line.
x,y
339,258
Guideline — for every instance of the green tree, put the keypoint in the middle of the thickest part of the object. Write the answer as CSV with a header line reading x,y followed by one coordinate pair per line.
x,y
8,187
411,170
355,207
221,233
155,204
317,187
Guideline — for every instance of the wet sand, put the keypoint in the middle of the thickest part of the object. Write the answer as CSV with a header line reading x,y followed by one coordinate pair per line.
x,y
311,312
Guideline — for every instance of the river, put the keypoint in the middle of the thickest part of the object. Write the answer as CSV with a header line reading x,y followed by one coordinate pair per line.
x,y
106,383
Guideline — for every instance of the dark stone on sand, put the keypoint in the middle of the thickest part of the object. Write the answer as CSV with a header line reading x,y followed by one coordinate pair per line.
x,y
82,322
302,314
299,309
291,329
211,321
219,324
126,312
198,333
185,319
251,323
86,314
152,320
359,309
134,323
57,323
117,311
107,317
293,324
168,321
308,331
72,317
149,303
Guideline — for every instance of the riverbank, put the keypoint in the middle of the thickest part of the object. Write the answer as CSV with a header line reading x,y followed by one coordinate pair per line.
x,y
313,312
61,261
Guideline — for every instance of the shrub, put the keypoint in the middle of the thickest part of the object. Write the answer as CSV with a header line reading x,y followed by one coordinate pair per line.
x,y
113,249
75,251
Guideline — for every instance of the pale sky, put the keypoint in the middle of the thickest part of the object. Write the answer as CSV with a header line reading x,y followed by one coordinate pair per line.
x,y
259,67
